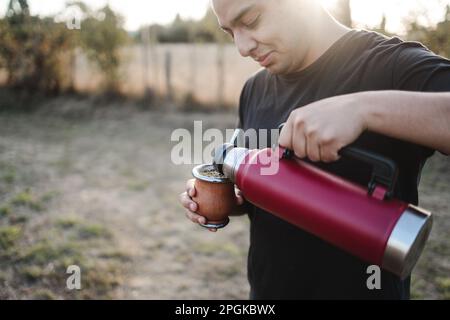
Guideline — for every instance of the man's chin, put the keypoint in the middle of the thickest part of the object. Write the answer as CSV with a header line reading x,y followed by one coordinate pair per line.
x,y
273,69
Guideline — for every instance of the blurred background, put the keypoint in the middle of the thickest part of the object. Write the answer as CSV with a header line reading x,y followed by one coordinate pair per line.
x,y
89,96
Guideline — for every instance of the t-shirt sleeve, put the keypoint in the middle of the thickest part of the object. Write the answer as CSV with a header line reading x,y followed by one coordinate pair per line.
x,y
418,69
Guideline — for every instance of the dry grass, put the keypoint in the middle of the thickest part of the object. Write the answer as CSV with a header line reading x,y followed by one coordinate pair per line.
x,y
101,192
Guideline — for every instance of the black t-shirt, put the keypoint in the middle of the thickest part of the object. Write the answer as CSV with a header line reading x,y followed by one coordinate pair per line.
x,y
285,262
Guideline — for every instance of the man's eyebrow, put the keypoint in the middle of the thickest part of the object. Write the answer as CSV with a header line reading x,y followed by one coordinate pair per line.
x,y
241,13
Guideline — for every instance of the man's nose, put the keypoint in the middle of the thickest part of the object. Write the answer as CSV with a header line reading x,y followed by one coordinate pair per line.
x,y
244,43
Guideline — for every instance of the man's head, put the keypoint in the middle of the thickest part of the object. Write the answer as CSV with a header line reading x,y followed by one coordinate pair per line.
x,y
279,34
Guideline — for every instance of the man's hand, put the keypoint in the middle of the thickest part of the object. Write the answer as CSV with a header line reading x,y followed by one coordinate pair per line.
x,y
191,207
319,130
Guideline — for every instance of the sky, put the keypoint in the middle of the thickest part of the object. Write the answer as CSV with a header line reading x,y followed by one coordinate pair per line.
x,y
144,12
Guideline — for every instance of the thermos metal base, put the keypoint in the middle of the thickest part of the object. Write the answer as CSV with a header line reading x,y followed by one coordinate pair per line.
x,y
407,241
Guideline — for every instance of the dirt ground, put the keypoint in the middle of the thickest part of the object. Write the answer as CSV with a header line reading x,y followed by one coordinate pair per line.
x,y
108,174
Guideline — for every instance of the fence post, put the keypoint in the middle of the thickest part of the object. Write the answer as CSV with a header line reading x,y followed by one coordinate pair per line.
x,y
168,71
145,36
220,75
73,70
193,70
154,60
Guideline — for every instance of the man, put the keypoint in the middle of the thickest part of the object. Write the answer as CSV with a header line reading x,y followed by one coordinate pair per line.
x,y
333,87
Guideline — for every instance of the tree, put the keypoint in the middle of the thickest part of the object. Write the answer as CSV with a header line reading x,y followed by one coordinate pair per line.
x,y
343,12
436,38
101,37
382,27
16,7
204,30
207,29
440,39
33,49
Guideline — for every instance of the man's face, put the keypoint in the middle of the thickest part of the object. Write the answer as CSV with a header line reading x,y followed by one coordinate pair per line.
x,y
275,33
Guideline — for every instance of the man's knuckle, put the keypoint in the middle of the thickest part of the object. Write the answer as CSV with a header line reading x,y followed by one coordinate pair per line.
x,y
326,139
311,132
299,122
313,157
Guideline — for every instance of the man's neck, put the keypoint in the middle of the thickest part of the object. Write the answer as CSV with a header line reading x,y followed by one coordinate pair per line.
x,y
326,34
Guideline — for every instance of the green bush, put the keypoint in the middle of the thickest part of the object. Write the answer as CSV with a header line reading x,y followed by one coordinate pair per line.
x,y
436,38
101,37
37,52
34,51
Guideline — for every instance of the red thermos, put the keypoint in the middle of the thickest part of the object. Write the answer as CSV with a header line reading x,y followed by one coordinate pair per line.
x,y
366,223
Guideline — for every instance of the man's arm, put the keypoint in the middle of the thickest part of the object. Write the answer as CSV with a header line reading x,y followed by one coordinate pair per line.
x,y
319,130
417,117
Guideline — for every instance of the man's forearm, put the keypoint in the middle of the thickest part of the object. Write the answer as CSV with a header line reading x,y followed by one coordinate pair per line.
x,y
417,117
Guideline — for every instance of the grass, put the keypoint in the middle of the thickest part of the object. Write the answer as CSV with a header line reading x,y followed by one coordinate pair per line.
x,y
115,255
27,199
18,218
138,185
93,231
9,176
46,251
39,269
82,229
43,294
16,207
417,288
68,222
9,235
34,256
213,248
5,211
34,266
443,285
48,196
36,250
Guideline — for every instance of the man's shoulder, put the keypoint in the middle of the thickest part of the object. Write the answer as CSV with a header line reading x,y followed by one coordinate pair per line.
x,y
369,38
381,46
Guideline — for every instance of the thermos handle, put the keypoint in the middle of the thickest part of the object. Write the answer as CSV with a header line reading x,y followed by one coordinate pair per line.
x,y
384,170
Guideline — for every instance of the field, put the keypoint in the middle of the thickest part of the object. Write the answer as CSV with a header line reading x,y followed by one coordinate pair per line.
x,y
95,187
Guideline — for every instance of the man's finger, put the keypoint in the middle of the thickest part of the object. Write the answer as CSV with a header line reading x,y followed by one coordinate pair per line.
x,y
191,217
190,187
328,155
184,199
187,202
312,149
190,183
239,200
300,144
239,197
285,138
195,217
